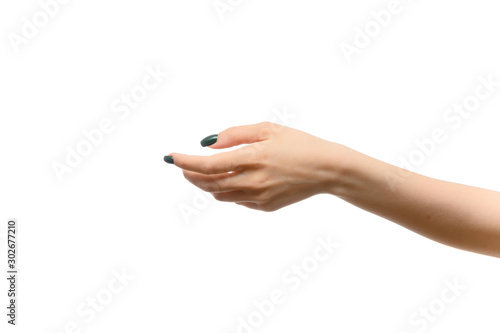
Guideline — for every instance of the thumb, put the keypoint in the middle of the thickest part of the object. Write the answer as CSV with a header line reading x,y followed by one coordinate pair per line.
x,y
238,135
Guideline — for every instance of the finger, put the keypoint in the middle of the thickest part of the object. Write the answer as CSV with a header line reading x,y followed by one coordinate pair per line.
x,y
222,182
246,134
219,163
231,196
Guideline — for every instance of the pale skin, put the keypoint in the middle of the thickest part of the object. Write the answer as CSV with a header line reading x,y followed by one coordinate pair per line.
x,y
279,165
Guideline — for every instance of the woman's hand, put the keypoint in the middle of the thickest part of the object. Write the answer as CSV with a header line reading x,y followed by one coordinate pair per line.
x,y
281,165
278,167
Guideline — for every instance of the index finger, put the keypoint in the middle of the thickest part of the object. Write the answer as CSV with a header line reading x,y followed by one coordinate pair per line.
x,y
219,163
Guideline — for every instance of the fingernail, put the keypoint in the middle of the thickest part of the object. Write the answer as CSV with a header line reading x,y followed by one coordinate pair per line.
x,y
169,159
209,140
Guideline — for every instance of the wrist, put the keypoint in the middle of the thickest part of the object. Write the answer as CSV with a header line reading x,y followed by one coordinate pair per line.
x,y
339,163
353,174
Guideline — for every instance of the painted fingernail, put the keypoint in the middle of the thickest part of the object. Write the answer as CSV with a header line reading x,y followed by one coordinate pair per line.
x,y
169,159
209,140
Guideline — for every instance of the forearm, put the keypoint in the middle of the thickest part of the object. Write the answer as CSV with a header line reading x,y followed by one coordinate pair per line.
x,y
457,215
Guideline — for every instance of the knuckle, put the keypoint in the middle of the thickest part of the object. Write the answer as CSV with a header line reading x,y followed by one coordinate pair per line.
x,y
275,127
260,182
252,153
247,153
265,132
260,152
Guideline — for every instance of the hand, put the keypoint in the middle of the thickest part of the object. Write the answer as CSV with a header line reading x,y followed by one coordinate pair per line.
x,y
278,167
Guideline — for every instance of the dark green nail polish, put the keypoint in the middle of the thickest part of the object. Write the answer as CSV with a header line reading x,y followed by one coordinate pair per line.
x,y
169,159
209,140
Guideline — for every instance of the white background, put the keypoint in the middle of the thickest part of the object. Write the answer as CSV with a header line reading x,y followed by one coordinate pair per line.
x,y
119,209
